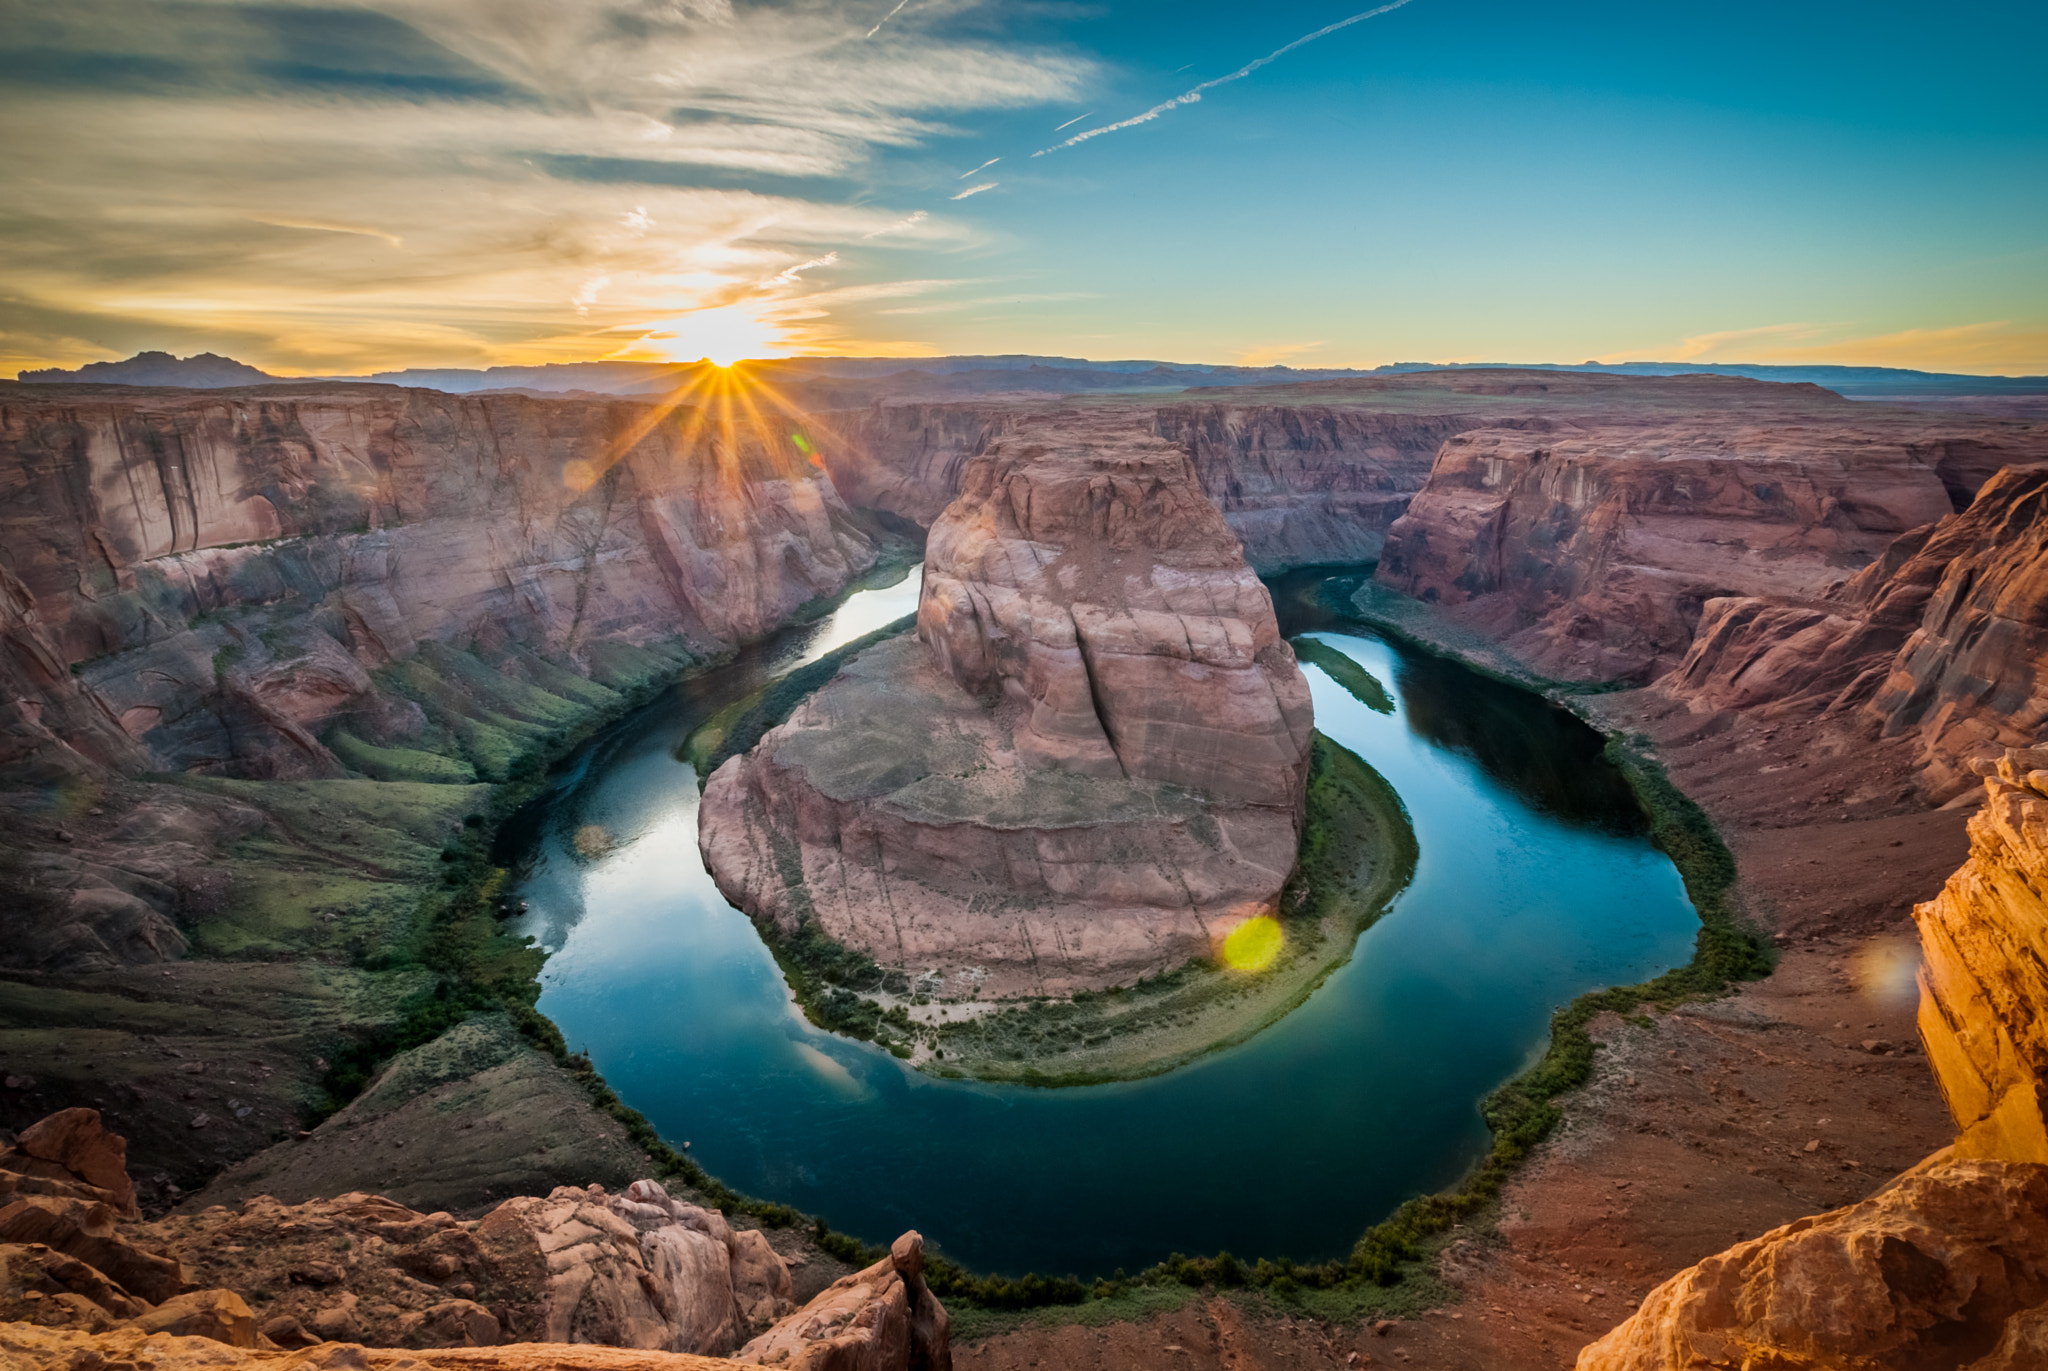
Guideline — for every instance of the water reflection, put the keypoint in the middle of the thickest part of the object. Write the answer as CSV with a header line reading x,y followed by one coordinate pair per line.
x,y
1370,1089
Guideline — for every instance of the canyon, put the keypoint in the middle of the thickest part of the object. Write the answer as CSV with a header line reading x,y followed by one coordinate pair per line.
x,y
265,653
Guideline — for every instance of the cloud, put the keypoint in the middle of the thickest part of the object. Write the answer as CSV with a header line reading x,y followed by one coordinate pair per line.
x,y
983,167
1194,95
975,190
451,194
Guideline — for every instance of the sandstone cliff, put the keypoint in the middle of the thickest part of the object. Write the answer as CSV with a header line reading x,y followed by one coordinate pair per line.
x,y
1089,764
1943,640
222,571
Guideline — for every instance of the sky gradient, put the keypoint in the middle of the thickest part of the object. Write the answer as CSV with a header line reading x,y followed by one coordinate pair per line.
x,y
321,187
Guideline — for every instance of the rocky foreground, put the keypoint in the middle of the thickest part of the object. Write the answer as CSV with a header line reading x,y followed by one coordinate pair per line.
x,y
538,1279
1088,766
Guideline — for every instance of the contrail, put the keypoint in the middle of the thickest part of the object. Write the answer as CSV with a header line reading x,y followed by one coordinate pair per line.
x,y
1073,121
983,167
1194,96
887,17
976,190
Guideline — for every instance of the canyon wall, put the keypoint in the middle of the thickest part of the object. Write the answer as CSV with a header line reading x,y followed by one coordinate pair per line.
x,y
1299,483
204,581
1592,537
1942,641
1086,768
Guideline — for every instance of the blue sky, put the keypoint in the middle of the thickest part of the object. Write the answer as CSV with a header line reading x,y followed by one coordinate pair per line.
x,y
316,186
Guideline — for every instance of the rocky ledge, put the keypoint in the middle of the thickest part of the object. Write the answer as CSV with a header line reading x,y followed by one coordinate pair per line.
x,y
84,1283
1085,769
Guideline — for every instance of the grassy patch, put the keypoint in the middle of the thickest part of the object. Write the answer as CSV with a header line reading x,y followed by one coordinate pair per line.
x,y
1363,685
398,763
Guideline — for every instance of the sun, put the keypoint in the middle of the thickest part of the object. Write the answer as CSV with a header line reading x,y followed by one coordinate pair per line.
x,y
721,335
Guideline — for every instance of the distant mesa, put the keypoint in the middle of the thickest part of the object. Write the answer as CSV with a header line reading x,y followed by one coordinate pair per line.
x,y
207,371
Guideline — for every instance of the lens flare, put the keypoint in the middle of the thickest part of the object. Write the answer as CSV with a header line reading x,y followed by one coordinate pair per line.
x,y
1886,971
1254,944
593,841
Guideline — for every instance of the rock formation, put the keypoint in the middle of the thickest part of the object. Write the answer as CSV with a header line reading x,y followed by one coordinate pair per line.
x,y
222,571
1947,1266
1943,640
634,1270
883,1316
1088,765
1592,552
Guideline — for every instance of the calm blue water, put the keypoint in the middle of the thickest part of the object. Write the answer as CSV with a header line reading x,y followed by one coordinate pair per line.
x,y
1532,888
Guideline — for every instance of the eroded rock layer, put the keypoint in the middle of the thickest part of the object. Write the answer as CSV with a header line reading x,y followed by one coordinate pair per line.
x,y
1089,763
1942,640
206,581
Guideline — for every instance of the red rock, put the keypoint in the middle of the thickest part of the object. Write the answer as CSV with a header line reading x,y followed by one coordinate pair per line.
x,y
75,1140
217,1314
1088,767
882,1317
1944,1267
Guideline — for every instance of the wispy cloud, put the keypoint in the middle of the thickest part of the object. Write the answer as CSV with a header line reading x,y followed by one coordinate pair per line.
x,y
975,190
1991,347
1194,95
460,172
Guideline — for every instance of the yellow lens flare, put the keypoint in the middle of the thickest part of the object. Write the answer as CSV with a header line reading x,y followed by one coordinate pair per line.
x,y
593,841
1254,944
1886,972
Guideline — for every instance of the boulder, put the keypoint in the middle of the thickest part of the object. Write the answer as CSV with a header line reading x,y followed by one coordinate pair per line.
x,y
217,1314
1945,1267
75,1140
883,1318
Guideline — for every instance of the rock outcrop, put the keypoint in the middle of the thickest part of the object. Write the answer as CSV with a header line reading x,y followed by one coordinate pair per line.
x,y
883,1316
223,571
638,1270
1087,767
1984,970
1947,1267
1942,640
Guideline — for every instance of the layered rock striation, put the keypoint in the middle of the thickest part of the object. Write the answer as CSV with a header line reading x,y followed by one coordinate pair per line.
x,y
1942,641
207,581
1088,764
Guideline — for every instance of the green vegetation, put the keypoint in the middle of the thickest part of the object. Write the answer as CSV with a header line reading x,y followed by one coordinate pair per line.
x,y
741,724
398,763
1363,685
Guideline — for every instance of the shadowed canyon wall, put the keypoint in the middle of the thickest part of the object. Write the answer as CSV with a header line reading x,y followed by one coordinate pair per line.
x,y
205,580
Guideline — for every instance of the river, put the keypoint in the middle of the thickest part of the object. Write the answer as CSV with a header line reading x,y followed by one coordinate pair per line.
x,y
1535,884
